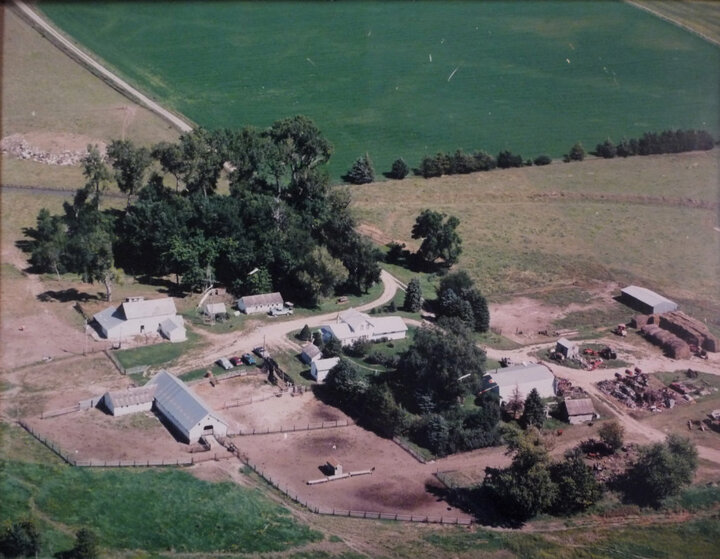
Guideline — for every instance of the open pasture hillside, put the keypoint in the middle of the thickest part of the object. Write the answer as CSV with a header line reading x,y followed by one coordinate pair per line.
x,y
399,79
648,220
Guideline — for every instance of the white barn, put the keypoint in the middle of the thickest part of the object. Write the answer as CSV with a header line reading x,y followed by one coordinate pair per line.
x,y
124,402
524,377
353,325
646,301
135,316
264,303
212,309
320,368
186,412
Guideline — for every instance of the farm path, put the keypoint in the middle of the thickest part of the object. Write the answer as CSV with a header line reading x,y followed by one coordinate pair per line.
x,y
273,335
95,67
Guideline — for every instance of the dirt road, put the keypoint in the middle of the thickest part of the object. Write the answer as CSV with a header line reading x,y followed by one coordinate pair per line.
x,y
274,335
97,68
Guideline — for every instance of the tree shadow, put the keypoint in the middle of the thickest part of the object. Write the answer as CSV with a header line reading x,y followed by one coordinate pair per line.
x,y
167,286
476,501
68,295
25,245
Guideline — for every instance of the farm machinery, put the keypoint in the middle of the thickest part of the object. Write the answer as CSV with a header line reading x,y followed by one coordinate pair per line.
x,y
620,330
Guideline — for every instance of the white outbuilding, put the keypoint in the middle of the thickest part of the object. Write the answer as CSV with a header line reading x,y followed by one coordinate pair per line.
x,y
214,309
320,368
132,400
135,316
262,303
185,411
173,329
310,353
523,377
646,301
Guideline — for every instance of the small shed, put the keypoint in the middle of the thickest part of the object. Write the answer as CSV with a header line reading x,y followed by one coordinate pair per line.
x,y
310,353
319,369
567,349
579,410
263,303
214,309
335,466
173,329
124,402
646,301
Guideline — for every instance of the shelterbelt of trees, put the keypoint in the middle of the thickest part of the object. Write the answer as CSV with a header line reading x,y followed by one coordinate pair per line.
x,y
280,228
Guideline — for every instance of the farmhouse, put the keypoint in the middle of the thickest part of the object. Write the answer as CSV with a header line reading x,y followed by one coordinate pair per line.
x,y
186,413
646,301
310,353
579,410
566,348
320,368
264,303
137,316
524,377
352,325
123,402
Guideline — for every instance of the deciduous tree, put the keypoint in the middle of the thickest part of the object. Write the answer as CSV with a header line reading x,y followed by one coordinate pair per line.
x,y
440,237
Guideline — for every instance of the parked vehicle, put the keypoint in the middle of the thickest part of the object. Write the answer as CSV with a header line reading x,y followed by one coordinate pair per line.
x,y
236,361
248,359
261,352
281,312
224,363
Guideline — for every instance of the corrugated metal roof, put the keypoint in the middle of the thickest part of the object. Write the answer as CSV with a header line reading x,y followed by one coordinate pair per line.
x,y
518,374
646,296
580,406
131,396
149,308
174,396
262,299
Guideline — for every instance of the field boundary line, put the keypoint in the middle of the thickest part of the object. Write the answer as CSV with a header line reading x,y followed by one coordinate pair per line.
x,y
675,22
47,30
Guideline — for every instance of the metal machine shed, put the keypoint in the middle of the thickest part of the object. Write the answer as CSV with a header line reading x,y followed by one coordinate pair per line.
x,y
646,301
188,414
260,303
524,377
123,402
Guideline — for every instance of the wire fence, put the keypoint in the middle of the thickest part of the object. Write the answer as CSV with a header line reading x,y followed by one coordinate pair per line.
x,y
294,428
410,450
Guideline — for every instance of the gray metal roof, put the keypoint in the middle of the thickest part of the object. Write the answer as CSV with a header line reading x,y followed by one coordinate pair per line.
x,y
311,350
567,344
150,308
173,395
131,396
109,318
646,296
580,406
519,374
263,299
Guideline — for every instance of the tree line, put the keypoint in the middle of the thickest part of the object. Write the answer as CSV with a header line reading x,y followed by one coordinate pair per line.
x,y
281,227
652,143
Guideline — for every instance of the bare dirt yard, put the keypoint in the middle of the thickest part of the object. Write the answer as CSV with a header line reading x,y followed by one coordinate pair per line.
x,y
398,483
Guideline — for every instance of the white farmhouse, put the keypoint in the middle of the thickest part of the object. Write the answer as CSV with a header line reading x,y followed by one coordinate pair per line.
x,y
320,368
524,377
353,325
186,412
264,303
137,316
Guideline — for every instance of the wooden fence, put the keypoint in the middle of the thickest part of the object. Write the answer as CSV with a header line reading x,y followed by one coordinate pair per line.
x,y
228,376
295,428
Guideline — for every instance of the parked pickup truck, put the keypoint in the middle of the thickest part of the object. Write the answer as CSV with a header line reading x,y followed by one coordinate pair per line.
x,y
224,363
281,312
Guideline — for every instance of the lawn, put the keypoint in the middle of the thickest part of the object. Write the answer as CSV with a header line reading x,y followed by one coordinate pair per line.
x,y
161,353
403,80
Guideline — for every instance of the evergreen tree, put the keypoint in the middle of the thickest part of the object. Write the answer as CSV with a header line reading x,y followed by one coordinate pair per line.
x,y
577,153
20,539
399,169
361,172
86,545
305,334
533,411
413,296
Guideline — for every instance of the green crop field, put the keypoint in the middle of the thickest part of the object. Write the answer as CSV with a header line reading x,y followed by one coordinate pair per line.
x,y
402,79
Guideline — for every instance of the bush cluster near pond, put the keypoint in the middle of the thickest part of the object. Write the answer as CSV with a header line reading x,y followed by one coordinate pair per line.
x,y
398,79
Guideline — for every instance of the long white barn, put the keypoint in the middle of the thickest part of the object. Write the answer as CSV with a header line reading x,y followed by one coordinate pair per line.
x,y
138,316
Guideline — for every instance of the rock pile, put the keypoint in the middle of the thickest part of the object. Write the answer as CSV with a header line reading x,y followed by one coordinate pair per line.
x,y
16,146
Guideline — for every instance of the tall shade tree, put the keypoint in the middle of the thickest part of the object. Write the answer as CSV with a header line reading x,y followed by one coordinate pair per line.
x,y
440,237
130,164
96,173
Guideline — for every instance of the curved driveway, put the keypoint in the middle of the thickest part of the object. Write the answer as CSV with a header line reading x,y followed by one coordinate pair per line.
x,y
98,68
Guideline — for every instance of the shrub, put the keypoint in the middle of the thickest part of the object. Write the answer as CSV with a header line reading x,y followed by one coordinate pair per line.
x,y
542,160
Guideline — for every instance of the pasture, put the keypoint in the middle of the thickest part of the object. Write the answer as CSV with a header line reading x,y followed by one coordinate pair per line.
x,y
396,79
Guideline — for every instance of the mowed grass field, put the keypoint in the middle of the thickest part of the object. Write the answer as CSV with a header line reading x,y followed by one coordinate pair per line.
x,y
631,220
400,79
